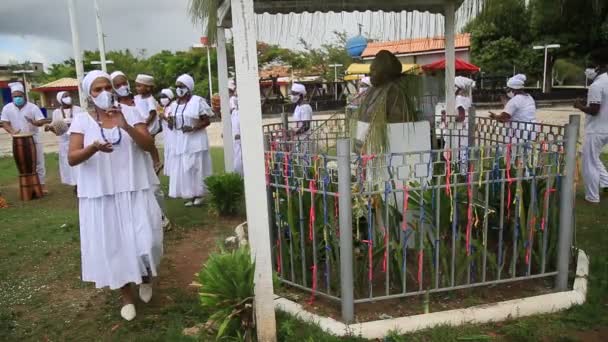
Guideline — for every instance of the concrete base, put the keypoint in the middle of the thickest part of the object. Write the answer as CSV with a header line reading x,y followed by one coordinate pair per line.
x,y
542,304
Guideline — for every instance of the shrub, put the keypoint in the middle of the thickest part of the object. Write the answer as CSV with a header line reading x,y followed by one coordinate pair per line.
x,y
226,192
227,293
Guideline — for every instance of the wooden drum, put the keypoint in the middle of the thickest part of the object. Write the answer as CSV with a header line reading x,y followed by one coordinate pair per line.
x,y
216,103
24,152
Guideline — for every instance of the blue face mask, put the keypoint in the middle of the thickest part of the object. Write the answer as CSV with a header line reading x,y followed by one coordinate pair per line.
x,y
19,101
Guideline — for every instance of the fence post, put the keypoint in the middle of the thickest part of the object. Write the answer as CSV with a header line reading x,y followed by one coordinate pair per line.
x,y
285,119
472,125
566,203
346,231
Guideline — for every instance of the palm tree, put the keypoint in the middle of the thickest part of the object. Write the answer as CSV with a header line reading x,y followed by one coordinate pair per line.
x,y
205,12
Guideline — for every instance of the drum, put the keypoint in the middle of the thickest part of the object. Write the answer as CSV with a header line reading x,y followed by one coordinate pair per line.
x,y
24,152
216,103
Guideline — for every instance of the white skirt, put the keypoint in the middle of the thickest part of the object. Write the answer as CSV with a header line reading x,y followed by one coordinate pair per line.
x,y
65,170
237,157
121,237
188,173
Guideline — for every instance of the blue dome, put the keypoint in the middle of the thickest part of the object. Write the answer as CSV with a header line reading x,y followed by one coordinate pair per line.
x,y
355,46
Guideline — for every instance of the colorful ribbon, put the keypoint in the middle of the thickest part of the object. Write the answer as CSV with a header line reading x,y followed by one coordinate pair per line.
x,y
469,211
312,215
509,179
406,196
547,194
314,284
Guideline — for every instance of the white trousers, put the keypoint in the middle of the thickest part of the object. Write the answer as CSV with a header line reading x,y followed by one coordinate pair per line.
x,y
594,171
40,168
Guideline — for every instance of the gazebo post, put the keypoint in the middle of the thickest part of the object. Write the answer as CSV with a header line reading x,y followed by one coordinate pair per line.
x,y
450,56
246,62
222,74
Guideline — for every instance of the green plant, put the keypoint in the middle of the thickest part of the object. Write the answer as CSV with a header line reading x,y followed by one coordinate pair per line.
x,y
227,291
227,192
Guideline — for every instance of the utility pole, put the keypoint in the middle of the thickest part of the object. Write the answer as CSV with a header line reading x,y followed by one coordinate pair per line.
x,y
100,41
77,54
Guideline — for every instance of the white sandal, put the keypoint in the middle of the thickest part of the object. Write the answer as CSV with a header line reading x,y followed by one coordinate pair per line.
x,y
145,292
128,312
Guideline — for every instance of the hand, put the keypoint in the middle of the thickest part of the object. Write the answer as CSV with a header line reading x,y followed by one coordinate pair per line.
x,y
492,115
16,132
237,137
47,128
187,129
30,121
578,104
118,118
105,147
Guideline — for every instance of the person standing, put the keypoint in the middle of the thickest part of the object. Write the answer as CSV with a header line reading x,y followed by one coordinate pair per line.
x,y
520,110
596,128
302,114
62,118
121,238
22,116
146,104
191,162
166,120
237,152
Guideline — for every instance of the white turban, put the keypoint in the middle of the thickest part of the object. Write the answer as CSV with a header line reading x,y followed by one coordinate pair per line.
x,y
16,86
116,74
168,93
187,80
367,80
91,76
298,88
231,85
517,81
145,79
464,82
59,96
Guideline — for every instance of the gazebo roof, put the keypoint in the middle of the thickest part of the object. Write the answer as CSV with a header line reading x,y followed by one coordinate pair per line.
x,y
62,84
311,6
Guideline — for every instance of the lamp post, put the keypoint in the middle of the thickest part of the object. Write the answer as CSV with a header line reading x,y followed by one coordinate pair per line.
x,y
205,43
23,72
546,48
336,66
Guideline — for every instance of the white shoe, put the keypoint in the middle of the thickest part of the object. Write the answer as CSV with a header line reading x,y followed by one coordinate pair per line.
x,y
166,222
189,204
128,312
198,201
145,292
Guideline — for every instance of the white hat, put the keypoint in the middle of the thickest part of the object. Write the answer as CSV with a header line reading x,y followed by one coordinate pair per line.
x,y
16,86
298,88
91,76
187,80
367,80
464,82
116,74
145,79
231,85
60,96
517,81
168,93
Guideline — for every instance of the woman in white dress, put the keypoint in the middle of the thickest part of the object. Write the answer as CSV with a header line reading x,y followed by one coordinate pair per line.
x,y
164,113
121,238
62,118
191,160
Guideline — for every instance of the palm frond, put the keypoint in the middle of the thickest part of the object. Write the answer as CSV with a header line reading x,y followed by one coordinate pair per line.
x,y
204,13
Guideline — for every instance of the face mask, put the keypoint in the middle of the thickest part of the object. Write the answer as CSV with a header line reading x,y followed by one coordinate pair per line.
x,y
103,100
294,98
67,101
123,91
19,101
164,101
510,94
590,73
181,92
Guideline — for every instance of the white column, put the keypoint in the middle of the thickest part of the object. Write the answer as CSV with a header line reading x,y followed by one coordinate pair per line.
x,y
246,61
450,57
77,53
222,76
100,42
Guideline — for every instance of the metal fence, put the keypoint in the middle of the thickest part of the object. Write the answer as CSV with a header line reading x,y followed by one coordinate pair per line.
x,y
357,228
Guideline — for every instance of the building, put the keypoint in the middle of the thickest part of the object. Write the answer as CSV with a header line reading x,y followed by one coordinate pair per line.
x,y
48,92
7,75
420,51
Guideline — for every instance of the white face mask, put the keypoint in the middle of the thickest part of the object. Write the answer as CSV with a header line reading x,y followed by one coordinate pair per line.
x,y
103,100
123,91
181,92
164,101
590,73
510,94
67,101
294,98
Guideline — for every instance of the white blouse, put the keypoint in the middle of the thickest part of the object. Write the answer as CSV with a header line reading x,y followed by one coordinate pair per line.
x,y
66,116
189,114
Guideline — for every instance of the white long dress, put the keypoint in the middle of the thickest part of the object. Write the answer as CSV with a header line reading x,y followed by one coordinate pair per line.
x,y
237,157
66,172
120,220
191,160
168,140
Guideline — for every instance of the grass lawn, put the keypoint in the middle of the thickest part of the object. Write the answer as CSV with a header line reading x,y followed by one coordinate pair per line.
x,y
42,297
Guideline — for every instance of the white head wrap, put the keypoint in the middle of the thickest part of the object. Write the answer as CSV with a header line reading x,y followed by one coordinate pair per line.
x,y
464,82
168,92
231,85
116,74
187,80
59,96
298,88
16,86
517,81
88,80
145,79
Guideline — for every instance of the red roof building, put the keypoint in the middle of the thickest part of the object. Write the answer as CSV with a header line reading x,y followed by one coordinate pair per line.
x,y
49,91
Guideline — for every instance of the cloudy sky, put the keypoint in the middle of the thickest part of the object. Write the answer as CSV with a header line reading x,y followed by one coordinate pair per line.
x,y
39,30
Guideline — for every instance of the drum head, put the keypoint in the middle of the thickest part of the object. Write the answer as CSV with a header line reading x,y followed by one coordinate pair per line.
x,y
23,135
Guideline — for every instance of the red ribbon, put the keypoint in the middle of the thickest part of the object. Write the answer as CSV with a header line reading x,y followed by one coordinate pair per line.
x,y
509,179
420,259
314,284
406,196
547,194
365,160
448,172
370,258
385,258
286,171
469,210
267,171
313,217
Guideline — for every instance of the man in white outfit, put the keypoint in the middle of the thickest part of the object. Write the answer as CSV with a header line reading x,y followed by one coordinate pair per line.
x,y
596,128
22,116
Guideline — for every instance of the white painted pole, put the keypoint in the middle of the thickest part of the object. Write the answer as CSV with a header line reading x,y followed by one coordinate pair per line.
x,y
545,71
222,76
100,42
77,53
450,57
209,70
246,62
